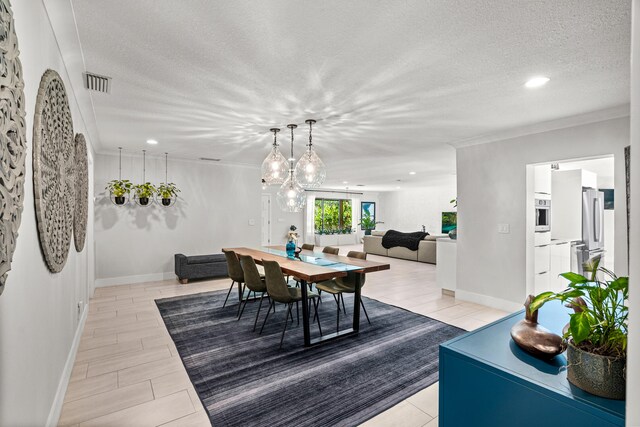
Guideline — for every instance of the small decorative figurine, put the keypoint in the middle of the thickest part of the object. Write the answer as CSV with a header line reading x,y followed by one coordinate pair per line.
x,y
535,339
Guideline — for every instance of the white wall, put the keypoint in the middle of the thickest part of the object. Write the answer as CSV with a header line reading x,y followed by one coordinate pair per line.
x,y
39,315
492,189
135,244
408,210
633,355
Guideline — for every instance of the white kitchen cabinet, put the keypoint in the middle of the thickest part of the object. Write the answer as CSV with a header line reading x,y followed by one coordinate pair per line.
x,y
541,282
560,262
566,202
446,253
542,259
542,179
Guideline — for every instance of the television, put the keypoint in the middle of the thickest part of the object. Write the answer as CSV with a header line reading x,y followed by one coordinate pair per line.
x,y
449,221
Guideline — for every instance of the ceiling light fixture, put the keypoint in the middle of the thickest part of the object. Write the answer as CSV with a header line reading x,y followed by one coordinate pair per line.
x,y
310,171
274,166
537,82
412,173
152,142
291,195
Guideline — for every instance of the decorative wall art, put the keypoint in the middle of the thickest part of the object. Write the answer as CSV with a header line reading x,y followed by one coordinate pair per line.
x,y
53,170
82,193
13,142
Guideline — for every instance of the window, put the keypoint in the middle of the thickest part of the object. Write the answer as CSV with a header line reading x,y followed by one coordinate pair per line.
x,y
332,216
368,215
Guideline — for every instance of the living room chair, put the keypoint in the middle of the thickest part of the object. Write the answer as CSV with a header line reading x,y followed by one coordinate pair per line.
x,y
340,285
255,282
279,292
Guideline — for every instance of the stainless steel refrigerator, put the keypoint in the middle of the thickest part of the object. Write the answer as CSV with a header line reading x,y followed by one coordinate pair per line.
x,y
592,245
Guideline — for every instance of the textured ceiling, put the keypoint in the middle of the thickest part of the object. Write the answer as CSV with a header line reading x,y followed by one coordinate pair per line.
x,y
390,83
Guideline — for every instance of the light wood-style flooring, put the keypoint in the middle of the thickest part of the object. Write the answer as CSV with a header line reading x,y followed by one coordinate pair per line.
x,y
127,370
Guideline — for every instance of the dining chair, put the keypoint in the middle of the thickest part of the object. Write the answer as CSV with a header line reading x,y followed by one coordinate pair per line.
x,y
235,273
308,247
255,282
279,292
331,250
341,285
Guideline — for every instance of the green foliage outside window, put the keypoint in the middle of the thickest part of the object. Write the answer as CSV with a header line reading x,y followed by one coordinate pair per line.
x,y
332,216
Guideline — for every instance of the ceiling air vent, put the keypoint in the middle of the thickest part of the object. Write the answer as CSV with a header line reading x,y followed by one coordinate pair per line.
x,y
359,185
97,83
209,159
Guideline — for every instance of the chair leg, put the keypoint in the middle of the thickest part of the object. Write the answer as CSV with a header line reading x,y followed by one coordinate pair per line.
x,y
243,304
365,311
338,320
285,323
315,304
245,300
228,293
255,323
267,316
344,306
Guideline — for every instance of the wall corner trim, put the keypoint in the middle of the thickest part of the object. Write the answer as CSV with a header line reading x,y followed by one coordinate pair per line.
x,y
58,400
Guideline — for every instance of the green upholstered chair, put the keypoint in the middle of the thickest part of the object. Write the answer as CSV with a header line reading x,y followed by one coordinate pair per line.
x,y
331,250
254,281
234,270
347,284
308,247
280,292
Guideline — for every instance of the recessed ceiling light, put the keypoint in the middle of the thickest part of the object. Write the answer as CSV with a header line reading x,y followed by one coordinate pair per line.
x,y
152,142
398,187
412,173
345,182
536,82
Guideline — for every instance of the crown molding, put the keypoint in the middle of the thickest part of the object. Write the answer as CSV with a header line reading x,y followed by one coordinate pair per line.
x,y
550,125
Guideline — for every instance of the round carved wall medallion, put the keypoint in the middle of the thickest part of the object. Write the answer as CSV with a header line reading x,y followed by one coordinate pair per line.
x,y
53,170
13,141
82,193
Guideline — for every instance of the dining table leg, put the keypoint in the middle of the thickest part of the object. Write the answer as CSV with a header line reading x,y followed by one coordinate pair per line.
x,y
305,313
356,303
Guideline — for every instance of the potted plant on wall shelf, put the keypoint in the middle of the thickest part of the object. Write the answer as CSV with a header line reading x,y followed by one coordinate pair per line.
x,y
168,193
368,224
119,188
144,192
597,331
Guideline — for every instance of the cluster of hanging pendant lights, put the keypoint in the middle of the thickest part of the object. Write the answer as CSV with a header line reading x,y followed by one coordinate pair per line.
x,y
292,177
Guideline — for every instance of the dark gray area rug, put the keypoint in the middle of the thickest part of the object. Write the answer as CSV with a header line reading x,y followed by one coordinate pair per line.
x,y
244,379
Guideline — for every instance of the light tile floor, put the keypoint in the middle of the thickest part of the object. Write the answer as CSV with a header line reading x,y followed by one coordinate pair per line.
x,y
127,370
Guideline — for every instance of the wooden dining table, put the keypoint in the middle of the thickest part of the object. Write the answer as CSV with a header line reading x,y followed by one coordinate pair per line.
x,y
313,267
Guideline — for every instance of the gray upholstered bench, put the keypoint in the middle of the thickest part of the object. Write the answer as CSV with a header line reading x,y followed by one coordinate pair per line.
x,y
199,267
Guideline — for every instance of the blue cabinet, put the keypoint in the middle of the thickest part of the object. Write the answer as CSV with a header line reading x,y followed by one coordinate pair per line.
x,y
487,380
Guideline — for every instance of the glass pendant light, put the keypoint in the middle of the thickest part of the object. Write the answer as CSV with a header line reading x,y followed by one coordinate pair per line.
x,y
291,196
275,167
310,171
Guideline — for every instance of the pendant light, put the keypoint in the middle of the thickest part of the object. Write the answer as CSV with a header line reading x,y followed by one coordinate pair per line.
x,y
291,196
310,171
146,190
275,166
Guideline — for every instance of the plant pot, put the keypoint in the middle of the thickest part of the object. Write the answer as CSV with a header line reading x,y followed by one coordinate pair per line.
x,y
144,201
603,376
166,202
367,232
119,200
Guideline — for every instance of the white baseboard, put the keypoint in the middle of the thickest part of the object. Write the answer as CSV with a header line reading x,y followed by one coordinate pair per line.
x,y
141,278
58,400
489,301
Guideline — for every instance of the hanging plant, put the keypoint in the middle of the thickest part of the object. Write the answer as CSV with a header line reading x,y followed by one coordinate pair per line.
x,y
167,193
144,192
119,188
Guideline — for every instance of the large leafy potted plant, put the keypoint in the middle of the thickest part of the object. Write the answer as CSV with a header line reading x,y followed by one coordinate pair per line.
x,y
597,331
119,188
167,192
144,192
368,223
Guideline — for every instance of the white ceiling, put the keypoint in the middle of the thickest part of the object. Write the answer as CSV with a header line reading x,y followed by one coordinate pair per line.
x,y
390,83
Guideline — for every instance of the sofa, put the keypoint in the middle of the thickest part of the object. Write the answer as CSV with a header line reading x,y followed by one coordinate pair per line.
x,y
199,267
426,249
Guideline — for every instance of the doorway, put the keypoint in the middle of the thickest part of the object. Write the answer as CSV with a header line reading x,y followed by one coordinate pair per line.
x,y
266,220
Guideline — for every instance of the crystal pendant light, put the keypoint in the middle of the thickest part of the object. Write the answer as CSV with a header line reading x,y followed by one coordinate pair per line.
x,y
291,196
310,171
275,167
